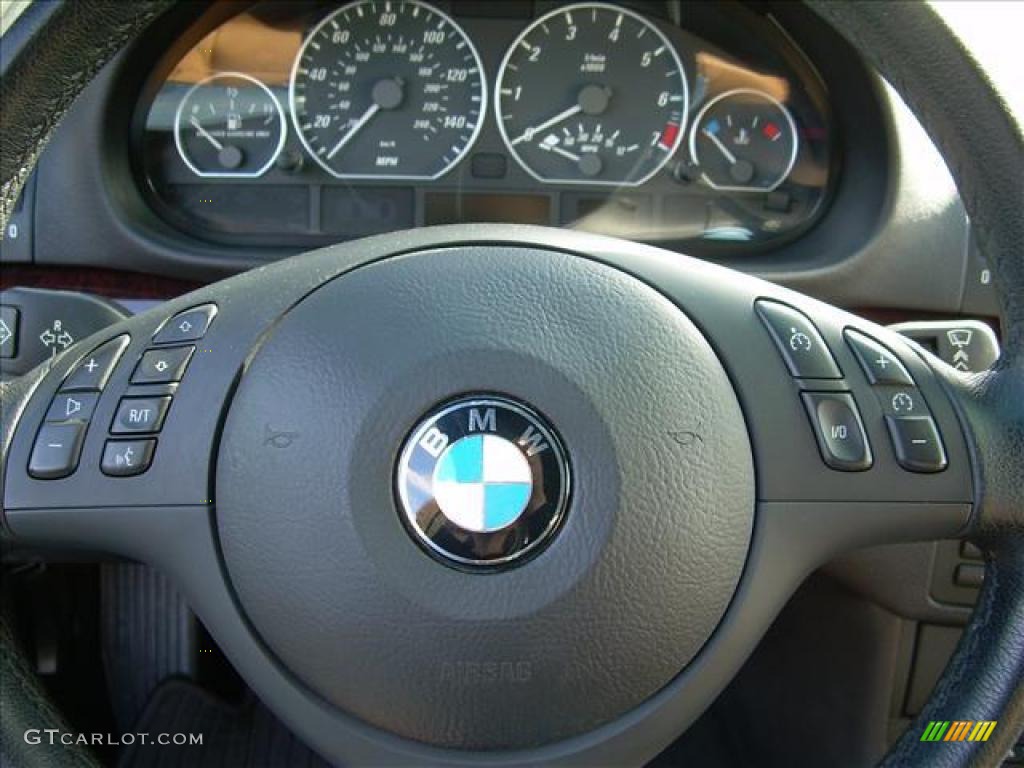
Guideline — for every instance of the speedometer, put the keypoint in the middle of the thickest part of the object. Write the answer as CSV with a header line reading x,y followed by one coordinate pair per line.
x,y
592,94
387,90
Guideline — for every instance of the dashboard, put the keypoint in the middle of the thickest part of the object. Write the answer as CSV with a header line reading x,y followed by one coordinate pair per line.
x,y
696,126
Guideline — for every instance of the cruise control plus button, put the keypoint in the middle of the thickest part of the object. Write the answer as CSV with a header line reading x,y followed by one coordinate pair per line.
x,y
880,365
186,326
92,371
802,347
140,414
124,458
839,430
56,450
161,366
916,442
72,406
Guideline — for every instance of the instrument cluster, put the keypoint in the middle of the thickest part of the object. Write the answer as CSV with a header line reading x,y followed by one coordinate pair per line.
x,y
299,124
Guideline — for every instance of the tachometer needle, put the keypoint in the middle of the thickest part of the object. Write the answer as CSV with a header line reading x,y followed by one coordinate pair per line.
x,y
718,143
370,112
529,133
205,134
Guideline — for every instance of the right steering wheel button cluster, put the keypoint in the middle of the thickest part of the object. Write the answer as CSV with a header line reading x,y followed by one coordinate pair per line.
x,y
915,437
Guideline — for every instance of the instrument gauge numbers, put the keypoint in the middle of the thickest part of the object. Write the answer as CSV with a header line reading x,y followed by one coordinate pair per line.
x,y
229,125
592,94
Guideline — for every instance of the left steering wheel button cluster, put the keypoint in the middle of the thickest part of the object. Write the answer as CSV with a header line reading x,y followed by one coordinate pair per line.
x,y
58,444
806,354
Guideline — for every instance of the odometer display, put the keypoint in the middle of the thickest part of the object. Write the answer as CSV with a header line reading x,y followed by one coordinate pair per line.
x,y
592,94
387,90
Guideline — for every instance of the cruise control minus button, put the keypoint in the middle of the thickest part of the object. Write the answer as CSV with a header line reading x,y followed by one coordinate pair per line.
x,y
162,366
839,430
917,444
140,414
189,325
802,347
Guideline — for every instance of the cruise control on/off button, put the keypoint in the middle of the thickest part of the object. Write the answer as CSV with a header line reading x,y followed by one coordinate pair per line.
x,y
839,430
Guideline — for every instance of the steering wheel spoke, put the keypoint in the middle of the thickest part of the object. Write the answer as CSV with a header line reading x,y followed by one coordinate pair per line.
x,y
845,416
109,447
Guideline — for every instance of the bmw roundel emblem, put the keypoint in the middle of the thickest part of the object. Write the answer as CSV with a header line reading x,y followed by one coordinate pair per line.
x,y
483,481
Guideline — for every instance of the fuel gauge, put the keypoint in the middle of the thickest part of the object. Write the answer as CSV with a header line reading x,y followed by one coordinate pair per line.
x,y
744,140
229,125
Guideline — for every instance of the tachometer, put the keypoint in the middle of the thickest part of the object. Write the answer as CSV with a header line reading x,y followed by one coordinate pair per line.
x,y
592,94
387,90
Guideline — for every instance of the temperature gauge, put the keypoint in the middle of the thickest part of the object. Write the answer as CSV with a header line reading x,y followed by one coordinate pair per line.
x,y
744,140
229,125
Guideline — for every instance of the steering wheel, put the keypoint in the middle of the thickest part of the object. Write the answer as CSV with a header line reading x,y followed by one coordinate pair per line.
x,y
508,495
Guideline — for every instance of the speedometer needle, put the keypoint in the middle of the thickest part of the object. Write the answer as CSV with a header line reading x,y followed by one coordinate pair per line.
x,y
205,134
532,131
718,143
559,151
370,112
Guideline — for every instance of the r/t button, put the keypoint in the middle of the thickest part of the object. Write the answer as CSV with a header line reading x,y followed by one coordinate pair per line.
x,y
140,414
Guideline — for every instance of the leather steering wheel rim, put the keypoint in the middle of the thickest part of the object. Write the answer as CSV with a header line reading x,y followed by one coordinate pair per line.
x,y
54,50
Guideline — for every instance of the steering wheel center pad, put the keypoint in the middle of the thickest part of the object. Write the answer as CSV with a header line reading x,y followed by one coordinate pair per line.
x,y
629,590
